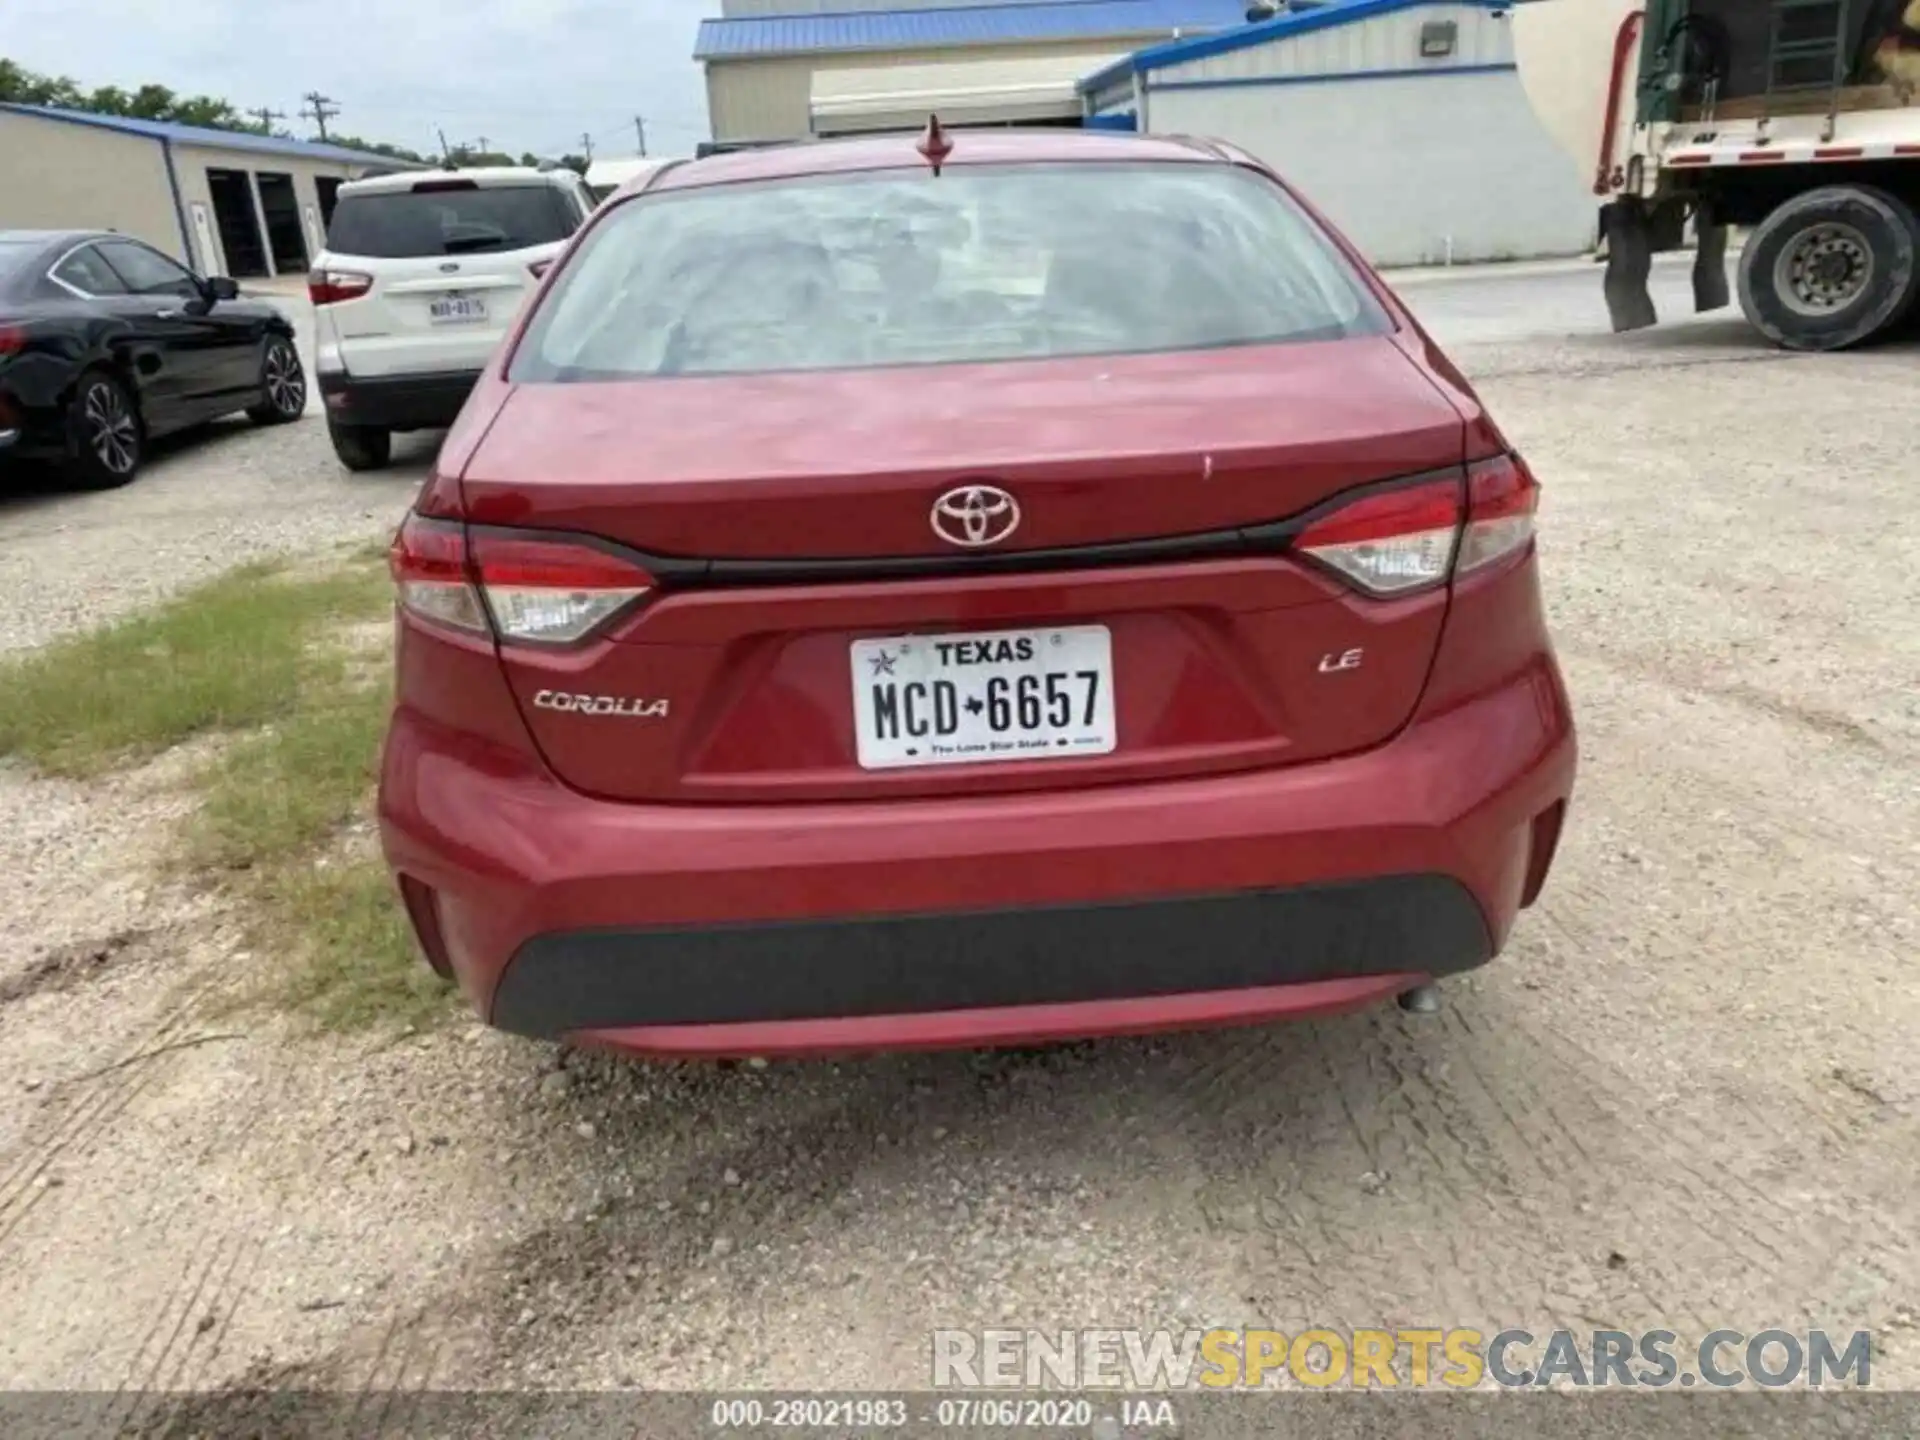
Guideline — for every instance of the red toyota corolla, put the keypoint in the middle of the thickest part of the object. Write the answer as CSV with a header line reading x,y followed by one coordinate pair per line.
x,y
980,590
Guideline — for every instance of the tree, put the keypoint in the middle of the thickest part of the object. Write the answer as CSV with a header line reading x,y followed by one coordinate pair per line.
x,y
375,147
207,111
151,102
22,86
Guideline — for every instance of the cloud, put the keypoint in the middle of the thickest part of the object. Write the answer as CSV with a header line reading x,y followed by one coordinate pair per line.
x,y
526,74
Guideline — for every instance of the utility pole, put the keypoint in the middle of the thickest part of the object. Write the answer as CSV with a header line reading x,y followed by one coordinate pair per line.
x,y
320,109
485,149
446,151
266,118
586,144
640,129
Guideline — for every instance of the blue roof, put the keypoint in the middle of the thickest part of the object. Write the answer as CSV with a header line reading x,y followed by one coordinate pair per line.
x,y
1281,27
985,24
204,135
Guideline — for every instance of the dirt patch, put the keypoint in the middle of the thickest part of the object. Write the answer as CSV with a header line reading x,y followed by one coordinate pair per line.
x,y
76,964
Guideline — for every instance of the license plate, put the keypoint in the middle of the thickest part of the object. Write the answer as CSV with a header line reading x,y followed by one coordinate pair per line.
x,y
457,310
965,699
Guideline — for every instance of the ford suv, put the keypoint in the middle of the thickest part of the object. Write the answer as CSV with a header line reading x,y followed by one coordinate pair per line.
x,y
421,278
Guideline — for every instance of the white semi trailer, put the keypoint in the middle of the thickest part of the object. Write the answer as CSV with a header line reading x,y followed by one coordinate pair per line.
x,y
1795,121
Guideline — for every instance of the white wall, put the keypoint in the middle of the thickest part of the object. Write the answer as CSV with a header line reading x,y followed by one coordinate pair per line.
x,y
1413,168
58,175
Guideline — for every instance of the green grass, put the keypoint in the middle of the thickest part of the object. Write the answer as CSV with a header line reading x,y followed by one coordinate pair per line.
x,y
230,655
282,793
279,663
346,957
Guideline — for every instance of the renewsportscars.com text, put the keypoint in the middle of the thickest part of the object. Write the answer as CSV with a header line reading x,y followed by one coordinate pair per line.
x,y
1457,1358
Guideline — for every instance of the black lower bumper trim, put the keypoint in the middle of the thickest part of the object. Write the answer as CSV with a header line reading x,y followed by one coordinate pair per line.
x,y
397,402
903,964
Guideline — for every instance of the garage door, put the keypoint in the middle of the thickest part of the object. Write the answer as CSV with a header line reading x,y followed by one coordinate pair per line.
x,y
1014,89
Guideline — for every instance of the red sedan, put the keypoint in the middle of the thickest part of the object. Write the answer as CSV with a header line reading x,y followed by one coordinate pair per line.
x,y
988,589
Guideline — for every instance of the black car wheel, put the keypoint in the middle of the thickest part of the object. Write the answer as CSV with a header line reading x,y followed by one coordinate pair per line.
x,y
104,440
361,447
283,385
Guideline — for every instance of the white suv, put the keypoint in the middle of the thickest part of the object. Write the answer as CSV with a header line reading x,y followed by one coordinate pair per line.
x,y
421,276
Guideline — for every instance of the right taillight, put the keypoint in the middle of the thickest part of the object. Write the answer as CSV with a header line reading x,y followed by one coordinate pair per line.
x,y
1416,537
521,587
1501,498
330,287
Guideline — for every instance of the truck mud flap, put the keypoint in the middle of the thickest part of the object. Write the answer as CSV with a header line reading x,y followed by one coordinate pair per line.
x,y
1710,290
1629,239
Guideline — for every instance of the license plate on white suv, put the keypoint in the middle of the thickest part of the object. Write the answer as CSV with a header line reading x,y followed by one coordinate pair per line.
x,y
457,310
969,698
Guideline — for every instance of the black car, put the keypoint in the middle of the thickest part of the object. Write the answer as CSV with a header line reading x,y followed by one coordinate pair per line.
x,y
106,343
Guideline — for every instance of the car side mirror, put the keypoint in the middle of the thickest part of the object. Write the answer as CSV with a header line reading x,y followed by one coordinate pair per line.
x,y
222,287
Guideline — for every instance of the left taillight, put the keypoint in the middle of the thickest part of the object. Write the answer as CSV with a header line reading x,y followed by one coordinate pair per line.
x,y
333,287
1414,537
13,338
522,588
1392,542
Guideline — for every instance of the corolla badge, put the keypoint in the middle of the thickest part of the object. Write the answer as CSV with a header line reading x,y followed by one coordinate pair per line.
x,y
619,705
975,516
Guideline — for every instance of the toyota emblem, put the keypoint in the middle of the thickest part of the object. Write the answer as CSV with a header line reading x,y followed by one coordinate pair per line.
x,y
975,516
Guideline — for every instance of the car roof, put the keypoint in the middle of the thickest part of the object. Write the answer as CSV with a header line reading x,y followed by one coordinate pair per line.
x,y
50,238
899,151
484,176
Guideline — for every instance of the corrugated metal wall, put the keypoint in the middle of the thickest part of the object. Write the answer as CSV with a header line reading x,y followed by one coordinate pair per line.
x,y
1391,42
191,163
760,99
771,99
1416,170
55,175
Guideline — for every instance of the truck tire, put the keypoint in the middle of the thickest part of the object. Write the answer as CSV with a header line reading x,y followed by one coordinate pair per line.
x,y
1831,267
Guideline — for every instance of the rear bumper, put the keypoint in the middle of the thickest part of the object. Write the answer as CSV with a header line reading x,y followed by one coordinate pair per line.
x,y
780,929
397,402
870,966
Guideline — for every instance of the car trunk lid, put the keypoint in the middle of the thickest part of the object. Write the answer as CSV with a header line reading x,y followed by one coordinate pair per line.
x,y
789,522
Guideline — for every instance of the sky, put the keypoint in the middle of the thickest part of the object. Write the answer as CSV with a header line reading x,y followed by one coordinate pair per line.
x,y
524,74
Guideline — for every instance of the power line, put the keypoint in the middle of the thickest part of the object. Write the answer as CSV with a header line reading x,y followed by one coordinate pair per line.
x,y
320,109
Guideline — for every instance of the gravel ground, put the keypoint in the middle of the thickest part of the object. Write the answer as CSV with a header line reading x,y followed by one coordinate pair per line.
x,y
1685,1097
209,499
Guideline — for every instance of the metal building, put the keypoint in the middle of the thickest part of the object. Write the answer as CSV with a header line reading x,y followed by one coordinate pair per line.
x,y
223,202
782,70
1403,120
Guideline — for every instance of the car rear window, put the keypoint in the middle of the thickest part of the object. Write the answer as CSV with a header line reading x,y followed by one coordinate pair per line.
x,y
982,263
397,224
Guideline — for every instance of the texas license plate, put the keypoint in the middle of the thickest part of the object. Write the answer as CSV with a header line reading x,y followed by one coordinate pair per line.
x,y
964,699
457,310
